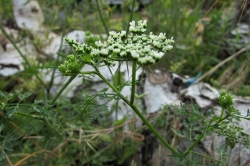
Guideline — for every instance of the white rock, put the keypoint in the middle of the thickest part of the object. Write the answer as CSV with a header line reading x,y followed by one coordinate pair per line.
x,y
28,14
158,95
158,91
203,94
11,61
77,35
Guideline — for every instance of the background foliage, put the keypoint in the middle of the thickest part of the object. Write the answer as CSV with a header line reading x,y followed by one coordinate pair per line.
x,y
79,131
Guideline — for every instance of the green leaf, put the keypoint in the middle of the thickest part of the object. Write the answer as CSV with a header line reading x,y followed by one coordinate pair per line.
x,y
106,138
128,151
140,96
118,79
87,59
1,127
11,110
178,133
24,96
121,121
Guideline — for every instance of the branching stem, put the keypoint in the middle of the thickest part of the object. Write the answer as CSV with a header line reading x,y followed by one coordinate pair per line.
x,y
148,124
222,113
62,89
65,85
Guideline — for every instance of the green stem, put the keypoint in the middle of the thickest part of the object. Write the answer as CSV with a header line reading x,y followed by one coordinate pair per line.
x,y
131,15
6,156
220,161
119,85
148,124
190,138
62,89
23,56
31,116
194,144
100,14
133,83
230,155
222,113
87,72
211,158
202,136
57,58
67,83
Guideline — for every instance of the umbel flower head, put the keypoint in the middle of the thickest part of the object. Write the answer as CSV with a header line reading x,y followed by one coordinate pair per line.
x,y
120,46
137,46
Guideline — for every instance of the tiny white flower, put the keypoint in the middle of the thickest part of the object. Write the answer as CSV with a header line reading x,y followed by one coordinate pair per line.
x,y
134,54
150,59
158,55
142,60
162,36
112,33
104,52
95,52
147,48
110,40
123,33
157,44
99,44
132,26
116,50
110,48
123,53
172,39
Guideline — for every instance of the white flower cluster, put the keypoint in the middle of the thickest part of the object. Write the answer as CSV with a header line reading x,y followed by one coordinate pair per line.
x,y
140,28
144,49
77,47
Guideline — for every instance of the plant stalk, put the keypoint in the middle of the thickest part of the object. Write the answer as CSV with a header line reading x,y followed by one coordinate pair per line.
x,y
222,113
132,97
65,85
201,136
100,14
57,58
131,15
148,124
194,144
62,89
31,116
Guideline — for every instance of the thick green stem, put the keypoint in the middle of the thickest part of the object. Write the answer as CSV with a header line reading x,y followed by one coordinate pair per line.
x,y
23,56
133,83
148,124
222,113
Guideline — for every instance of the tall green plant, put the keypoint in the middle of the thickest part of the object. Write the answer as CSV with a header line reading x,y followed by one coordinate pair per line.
x,y
143,50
